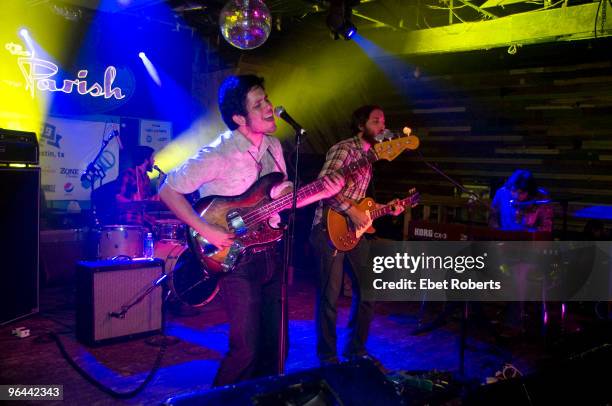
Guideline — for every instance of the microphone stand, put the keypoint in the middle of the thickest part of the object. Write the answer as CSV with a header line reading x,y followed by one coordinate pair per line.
x,y
125,308
288,256
466,305
473,196
94,172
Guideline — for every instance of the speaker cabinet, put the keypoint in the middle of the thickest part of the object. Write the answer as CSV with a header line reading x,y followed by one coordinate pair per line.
x,y
19,211
105,288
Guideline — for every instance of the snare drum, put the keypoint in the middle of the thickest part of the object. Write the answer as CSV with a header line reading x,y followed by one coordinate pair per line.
x,y
187,278
169,229
116,240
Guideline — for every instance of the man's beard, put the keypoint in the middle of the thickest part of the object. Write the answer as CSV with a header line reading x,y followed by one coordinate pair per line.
x,y
369,137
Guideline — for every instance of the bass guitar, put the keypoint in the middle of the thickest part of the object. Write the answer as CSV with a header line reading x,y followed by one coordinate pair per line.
x,y
344,236
247,215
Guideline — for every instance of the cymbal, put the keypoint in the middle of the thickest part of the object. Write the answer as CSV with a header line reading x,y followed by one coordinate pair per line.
x,y
144,205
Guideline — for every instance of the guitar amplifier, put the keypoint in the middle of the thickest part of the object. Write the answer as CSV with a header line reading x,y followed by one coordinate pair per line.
x,y
18,147
106,288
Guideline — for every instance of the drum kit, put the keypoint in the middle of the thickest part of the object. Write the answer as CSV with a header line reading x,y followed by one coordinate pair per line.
x,y
187,278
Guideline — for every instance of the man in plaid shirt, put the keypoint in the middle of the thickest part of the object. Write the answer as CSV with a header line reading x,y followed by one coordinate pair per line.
x,y
134,185
367,122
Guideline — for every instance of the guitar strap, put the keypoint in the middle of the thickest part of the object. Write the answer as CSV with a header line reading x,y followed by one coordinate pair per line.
x,y
274,159
260,165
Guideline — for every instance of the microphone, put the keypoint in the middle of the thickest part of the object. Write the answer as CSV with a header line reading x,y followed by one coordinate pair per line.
x,y
162,173
280,112
385,135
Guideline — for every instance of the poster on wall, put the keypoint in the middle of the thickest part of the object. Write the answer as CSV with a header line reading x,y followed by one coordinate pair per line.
x,y
66,149
155,134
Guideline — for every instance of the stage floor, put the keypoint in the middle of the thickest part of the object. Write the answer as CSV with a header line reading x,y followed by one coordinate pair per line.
x,y
191,362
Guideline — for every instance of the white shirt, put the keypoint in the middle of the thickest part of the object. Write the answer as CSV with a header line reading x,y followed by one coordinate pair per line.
x,y
228,166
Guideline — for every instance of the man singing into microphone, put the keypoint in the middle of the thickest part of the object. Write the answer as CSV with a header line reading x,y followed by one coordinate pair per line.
x,y
134,185
228,167
520,205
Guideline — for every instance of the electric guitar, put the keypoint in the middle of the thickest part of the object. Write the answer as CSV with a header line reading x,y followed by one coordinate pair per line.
x,y
342,233
247,215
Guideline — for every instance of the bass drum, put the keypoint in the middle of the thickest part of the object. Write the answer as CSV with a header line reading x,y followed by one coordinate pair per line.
x,y
187,279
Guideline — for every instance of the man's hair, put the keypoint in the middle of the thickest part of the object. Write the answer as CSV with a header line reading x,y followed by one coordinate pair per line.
x,y
233,94
141,154
360,117
522,179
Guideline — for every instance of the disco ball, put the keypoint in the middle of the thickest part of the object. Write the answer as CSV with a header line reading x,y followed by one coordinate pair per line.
x,y
245,23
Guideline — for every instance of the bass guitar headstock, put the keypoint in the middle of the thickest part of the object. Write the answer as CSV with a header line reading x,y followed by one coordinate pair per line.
x,y
389,150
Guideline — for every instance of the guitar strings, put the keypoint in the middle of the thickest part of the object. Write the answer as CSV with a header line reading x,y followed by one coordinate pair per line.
x,y
265,211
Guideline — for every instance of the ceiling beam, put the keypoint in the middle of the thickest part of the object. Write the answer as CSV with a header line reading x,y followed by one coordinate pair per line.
x,y
480,10
559,24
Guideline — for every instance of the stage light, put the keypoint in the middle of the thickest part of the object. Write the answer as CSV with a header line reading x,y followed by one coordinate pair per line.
x,y
339,19
25,34
150,68
349,31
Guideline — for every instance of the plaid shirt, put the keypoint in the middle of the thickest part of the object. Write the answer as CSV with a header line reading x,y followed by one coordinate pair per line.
x,y
134,187
356,184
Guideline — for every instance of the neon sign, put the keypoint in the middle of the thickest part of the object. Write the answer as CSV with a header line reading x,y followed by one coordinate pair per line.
x,y
38,74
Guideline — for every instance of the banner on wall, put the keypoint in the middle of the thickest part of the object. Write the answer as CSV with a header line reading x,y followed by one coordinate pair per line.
x,y
155,134
66,148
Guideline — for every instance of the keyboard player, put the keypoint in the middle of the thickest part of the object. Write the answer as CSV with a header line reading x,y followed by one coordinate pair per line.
x,y
520,205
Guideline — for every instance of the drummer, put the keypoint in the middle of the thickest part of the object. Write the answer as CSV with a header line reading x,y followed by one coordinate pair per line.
x,y
135,186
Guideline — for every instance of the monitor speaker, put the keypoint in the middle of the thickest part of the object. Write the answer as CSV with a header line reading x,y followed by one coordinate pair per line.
x,y
351,383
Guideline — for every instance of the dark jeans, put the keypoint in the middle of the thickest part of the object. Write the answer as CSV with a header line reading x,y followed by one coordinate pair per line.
x,y
251,296
330,283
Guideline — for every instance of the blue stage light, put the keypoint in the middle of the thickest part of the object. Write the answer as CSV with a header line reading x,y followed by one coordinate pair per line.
x,y
350,33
